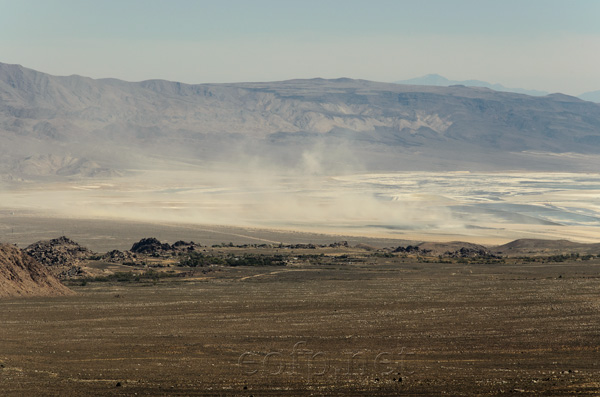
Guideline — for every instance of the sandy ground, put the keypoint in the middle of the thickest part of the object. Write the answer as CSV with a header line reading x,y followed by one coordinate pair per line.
x,y
354,329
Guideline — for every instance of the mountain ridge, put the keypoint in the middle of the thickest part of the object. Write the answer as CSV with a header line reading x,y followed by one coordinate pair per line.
x,y
112,124
438,80
592,96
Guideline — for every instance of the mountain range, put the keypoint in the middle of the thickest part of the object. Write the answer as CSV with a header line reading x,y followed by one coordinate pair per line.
x,y
593,96
61,127
437,80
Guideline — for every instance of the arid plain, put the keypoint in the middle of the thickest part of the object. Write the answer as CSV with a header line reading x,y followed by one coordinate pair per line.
x,y
360,318
344,322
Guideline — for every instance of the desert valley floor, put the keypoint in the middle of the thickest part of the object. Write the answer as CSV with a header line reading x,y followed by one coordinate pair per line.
x,y
359,329
335,319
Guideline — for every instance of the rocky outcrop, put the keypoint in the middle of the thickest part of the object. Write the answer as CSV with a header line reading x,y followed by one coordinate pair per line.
x,y
61,255
22,275
454,249
149,246
185,246
339,244
152,246
116,256
407,249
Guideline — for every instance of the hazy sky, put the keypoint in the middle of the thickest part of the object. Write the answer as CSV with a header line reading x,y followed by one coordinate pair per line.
x,y
535,44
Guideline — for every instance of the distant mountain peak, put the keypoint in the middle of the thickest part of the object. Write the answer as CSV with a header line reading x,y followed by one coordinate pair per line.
x,y
441,81
438,80
592,96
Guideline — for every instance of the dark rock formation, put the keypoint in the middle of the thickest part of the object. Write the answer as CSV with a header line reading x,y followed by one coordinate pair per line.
x,y
339,244
60,254
116,256
407,249
455,249
185,246
150,246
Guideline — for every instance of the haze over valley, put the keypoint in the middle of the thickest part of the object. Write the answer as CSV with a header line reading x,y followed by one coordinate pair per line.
x,y
339,156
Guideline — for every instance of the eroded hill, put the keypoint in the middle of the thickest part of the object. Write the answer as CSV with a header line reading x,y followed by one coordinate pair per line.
x,y
22,275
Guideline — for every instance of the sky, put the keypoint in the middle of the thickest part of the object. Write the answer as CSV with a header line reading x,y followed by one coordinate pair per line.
x,y
546,45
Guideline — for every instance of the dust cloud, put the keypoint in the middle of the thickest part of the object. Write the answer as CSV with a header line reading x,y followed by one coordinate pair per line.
x,y
327,190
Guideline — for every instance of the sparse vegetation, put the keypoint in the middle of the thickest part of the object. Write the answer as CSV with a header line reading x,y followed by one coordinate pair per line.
x,y
196,259
124,277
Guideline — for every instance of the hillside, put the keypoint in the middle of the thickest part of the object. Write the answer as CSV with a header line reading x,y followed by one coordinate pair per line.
x,y
80,127
21,275
525,247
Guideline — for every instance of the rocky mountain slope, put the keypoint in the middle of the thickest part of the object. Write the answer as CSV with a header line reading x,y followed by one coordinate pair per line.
x,y
22,275
62,256
77,126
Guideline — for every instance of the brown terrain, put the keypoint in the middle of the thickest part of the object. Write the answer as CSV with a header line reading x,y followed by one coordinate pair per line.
x,y
22,275
526,247
322,318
